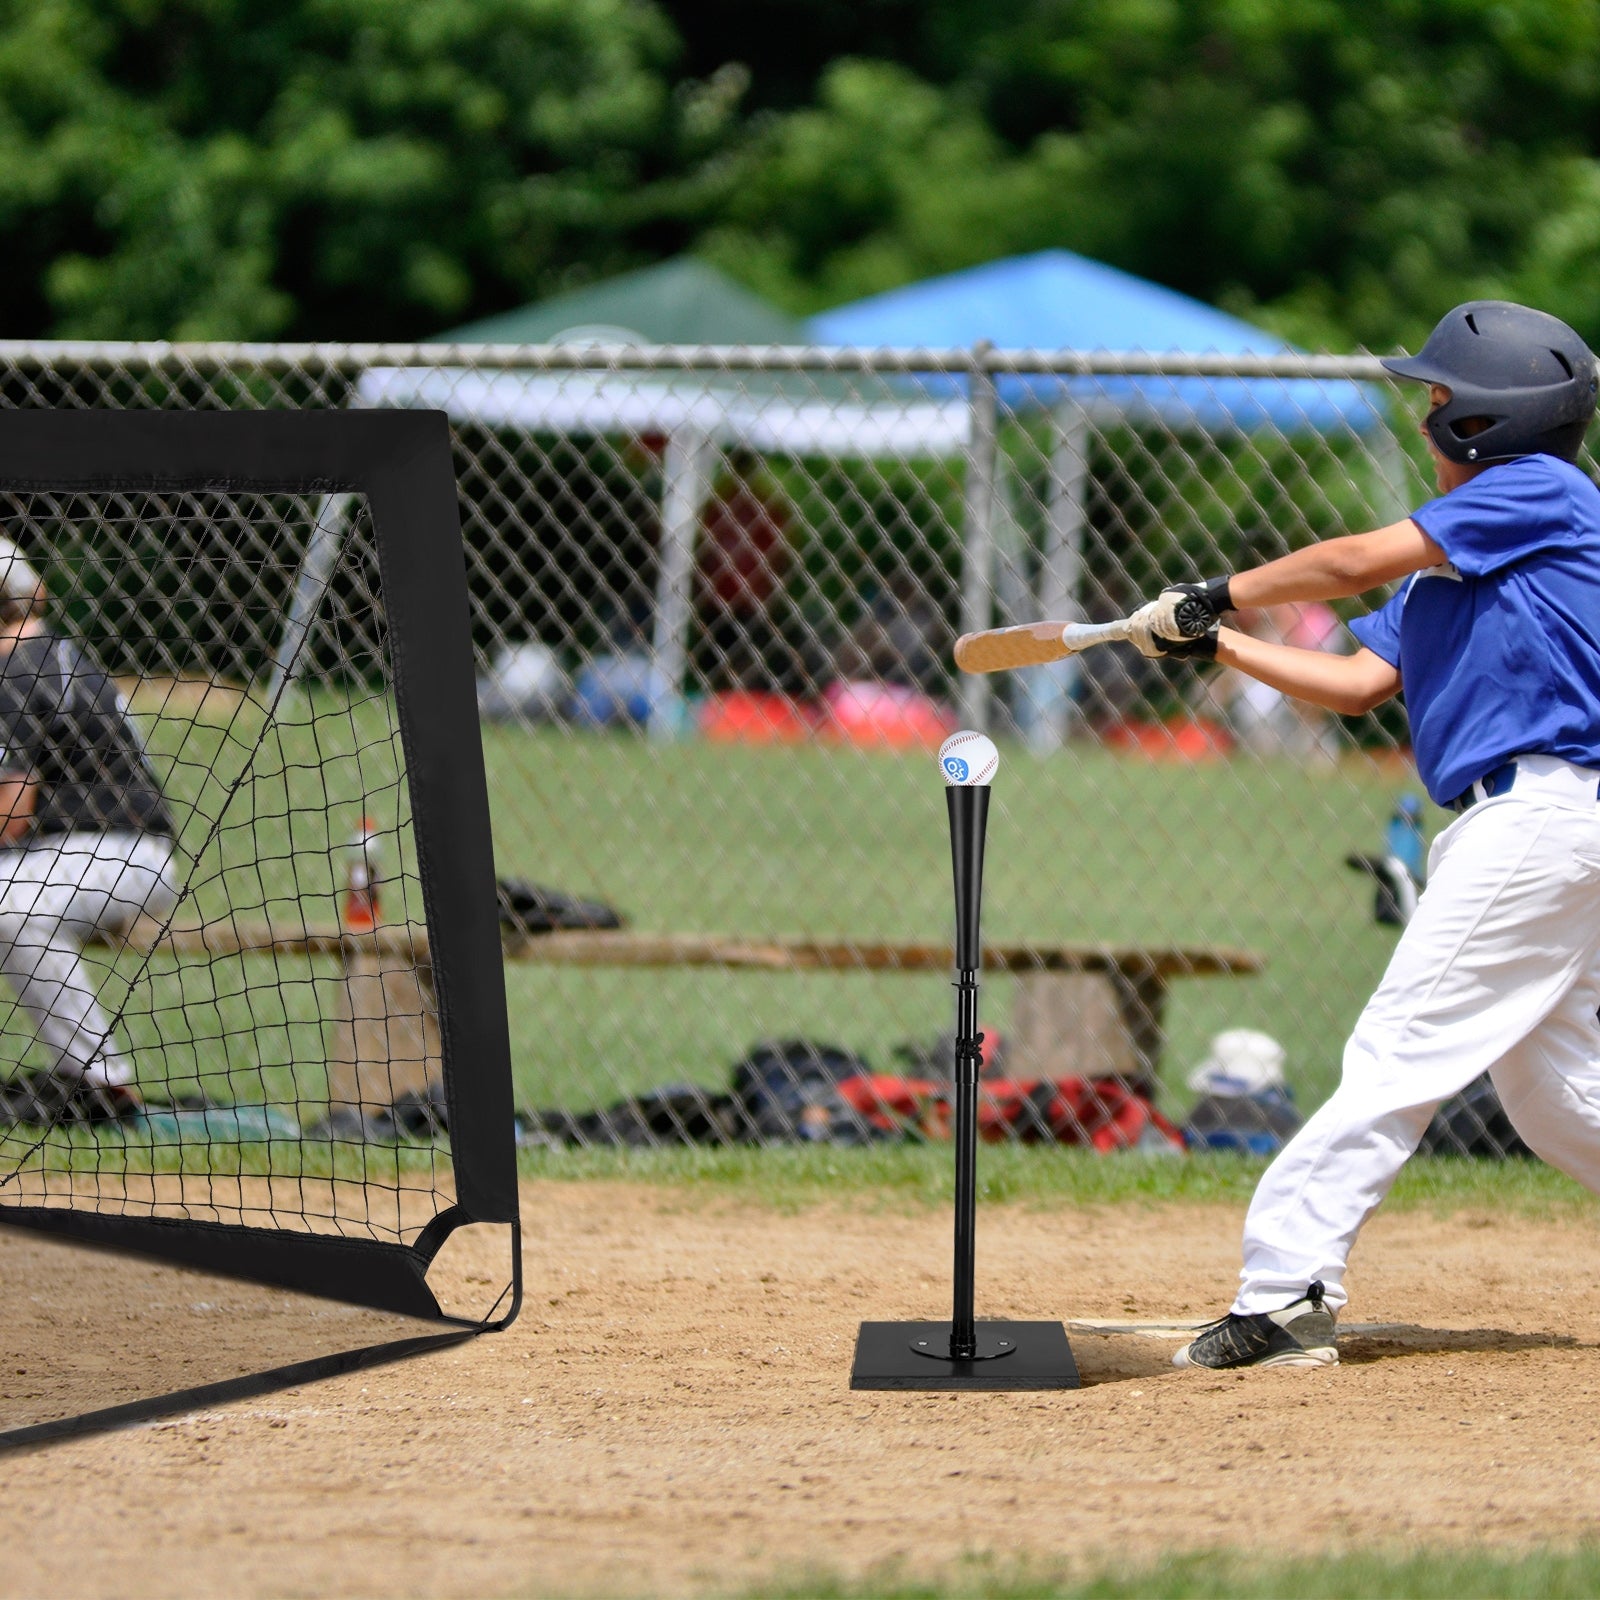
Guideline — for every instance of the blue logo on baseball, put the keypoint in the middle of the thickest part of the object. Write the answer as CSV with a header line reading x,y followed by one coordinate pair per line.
x,y
955,769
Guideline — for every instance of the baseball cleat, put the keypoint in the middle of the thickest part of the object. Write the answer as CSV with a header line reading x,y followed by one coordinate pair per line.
x,y
1301,1334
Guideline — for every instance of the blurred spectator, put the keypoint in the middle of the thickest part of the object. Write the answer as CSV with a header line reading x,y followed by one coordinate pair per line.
x,y
900,638
1266,721
744,557
89,846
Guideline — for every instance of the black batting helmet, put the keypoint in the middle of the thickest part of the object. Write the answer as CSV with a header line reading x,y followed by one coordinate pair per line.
x,y
1525,372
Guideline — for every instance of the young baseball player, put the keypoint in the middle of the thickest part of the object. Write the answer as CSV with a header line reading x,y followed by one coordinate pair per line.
x,y
1494,637
86,845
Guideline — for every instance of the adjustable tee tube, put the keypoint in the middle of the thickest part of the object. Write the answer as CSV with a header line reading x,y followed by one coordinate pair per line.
x,y
969,817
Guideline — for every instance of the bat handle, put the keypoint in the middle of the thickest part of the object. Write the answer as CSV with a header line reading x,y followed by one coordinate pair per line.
x,y
1076,636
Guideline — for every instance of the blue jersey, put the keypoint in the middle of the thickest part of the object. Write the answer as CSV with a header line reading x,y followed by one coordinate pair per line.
x,y
1499,648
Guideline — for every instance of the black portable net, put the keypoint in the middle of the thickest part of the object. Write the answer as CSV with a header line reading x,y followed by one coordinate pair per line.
x,y
253,1017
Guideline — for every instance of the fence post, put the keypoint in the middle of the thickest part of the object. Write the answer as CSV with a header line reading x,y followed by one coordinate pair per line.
x,y
977,532
1061,572
686,475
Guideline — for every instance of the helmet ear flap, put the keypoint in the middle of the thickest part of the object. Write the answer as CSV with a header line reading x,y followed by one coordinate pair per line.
x,y
1467,427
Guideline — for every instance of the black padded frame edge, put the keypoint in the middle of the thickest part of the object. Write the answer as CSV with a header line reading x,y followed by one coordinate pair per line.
x,y
400,461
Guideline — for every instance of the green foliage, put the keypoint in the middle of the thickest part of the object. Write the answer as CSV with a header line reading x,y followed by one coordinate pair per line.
x,y
1339,170
887,180
359,169
335,168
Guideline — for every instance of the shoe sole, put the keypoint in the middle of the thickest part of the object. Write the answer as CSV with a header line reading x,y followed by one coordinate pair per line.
x,y
1317,1356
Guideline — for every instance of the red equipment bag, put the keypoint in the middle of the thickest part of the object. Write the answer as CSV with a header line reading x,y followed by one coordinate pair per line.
x,y
1102,1112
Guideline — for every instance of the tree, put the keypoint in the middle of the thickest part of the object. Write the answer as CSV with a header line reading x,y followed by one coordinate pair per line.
x,y
1341,169
337,168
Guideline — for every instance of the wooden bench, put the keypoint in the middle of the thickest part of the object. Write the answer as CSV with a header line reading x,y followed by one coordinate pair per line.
x,y
1079,1010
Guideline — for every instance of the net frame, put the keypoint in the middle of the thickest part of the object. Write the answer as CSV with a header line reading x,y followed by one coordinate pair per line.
x,y
400,463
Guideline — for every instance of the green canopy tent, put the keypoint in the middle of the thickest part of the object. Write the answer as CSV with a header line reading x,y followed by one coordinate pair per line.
x,y
697,413
683,301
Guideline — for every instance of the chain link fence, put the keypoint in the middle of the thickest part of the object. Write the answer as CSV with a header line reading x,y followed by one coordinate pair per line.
x,y
714,593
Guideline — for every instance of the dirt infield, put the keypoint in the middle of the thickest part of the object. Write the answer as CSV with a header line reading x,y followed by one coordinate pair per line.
x,y
671,1414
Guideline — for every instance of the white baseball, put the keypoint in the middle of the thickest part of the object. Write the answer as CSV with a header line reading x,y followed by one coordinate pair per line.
x,y
968,758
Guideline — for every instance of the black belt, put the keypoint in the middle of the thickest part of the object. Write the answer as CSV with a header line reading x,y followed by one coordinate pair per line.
x,y
1488,787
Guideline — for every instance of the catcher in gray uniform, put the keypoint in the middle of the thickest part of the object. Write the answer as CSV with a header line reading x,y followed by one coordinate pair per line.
x,y
86,846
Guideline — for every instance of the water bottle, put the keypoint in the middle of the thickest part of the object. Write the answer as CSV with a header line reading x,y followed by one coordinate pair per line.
x,y
1404,836
363,880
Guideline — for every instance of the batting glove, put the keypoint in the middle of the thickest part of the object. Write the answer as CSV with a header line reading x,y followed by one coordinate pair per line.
x,y
1146,635
1190,610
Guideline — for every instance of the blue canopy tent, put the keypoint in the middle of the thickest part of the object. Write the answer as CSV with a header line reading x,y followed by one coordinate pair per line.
x,y
1057,301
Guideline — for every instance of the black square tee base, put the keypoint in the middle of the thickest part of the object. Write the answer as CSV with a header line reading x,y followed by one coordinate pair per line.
x,y
887,1357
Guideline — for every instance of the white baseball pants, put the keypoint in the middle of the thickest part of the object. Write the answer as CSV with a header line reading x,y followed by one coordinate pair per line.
x,y
1498,970
54,894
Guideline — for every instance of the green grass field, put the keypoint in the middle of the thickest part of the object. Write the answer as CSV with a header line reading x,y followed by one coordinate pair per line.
x,y
1043,1177
1083,845
1228,1575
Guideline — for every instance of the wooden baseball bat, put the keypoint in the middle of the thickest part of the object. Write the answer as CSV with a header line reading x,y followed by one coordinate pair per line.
x,y
1033,643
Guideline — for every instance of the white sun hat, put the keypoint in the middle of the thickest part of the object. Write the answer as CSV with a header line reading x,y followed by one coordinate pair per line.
x,y
1242,1061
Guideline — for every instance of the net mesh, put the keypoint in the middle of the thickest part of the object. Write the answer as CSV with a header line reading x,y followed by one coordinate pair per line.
x,y
219,1004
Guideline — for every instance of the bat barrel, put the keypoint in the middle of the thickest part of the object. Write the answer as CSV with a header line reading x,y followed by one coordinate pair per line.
x,y
1032,644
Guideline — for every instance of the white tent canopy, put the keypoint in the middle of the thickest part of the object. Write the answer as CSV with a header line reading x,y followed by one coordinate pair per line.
x,y
728,414
697,413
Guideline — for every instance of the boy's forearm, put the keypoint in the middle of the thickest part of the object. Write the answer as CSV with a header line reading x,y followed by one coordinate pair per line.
x,y
1348,685
1337,568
